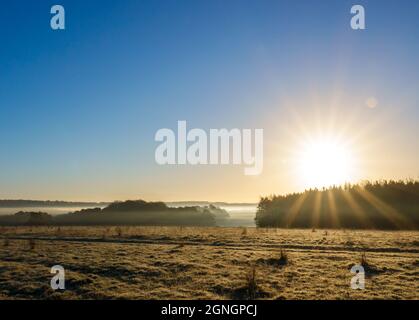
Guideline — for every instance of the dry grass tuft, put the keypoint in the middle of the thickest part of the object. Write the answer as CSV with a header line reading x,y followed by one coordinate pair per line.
x,y
369,268
118,231
31,244
363,260
283,257
251,284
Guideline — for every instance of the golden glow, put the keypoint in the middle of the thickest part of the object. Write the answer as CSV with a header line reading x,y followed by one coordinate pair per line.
x,y
324,162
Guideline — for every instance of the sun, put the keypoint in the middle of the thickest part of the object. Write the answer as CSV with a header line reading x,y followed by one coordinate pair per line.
x,y
324,162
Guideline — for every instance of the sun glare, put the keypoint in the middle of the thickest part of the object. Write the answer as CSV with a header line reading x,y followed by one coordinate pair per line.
x,y
324,162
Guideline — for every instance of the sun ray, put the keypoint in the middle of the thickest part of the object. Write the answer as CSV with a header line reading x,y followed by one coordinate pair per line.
x,y
295,209
316,210
358,211
391,214
332,209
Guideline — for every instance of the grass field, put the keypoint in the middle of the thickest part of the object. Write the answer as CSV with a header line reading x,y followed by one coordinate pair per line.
x,y
206,263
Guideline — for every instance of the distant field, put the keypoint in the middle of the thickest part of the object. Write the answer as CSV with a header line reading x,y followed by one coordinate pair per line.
x,y
206,263
240,216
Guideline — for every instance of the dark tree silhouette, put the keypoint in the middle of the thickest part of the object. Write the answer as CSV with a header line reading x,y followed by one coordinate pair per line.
x,y
369,205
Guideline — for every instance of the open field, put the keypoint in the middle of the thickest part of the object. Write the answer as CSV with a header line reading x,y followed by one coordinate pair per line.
x,y
206,263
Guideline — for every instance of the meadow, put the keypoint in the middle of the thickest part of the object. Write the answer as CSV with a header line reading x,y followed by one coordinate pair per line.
x,y
207,263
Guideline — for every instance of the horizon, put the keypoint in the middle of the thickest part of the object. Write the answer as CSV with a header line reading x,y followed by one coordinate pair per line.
x,y
360,184
136,199
370,205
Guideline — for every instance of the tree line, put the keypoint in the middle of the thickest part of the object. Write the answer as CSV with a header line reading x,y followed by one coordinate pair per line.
x,y
386,204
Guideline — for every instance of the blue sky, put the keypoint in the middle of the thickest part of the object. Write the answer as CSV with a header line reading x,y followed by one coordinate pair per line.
x,y
79,108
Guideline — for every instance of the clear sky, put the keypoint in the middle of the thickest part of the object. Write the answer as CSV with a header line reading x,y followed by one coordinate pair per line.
x,y
79,108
